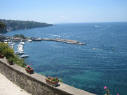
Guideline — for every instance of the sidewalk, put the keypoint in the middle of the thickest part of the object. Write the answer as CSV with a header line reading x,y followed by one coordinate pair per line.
x,y
9,88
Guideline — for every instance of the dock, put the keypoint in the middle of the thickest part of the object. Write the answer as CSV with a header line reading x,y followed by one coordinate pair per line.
x,y
51,39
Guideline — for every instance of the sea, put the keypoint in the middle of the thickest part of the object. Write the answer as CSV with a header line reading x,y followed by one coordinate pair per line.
x,y
102,61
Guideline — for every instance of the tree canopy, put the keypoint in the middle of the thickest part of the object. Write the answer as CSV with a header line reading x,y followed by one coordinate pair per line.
x,y
2,25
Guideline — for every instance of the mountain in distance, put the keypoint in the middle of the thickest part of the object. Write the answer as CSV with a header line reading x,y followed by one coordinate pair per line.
x,y
12,25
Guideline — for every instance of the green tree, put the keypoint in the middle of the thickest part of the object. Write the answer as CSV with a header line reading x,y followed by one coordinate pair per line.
x,y
2,25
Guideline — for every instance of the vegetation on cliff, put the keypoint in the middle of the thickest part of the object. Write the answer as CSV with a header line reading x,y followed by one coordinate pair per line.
x,y
17,24
8,52
2,27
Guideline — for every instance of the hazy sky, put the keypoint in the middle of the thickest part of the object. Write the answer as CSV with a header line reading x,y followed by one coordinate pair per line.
x,y
64,11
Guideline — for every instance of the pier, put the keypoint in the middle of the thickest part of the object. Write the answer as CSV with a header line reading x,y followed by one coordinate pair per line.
x,y
24,39
49,39
62,40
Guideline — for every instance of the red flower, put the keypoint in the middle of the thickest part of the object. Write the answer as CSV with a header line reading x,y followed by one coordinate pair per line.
x,y
28,66
105,87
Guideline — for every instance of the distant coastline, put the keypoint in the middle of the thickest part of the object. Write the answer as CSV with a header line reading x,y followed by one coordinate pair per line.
x,y
12,25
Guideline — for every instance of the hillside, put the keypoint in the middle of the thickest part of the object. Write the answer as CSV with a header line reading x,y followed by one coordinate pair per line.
x,y
2,27
17,24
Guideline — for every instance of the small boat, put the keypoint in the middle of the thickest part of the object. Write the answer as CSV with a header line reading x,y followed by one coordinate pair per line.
x,y
37,39
29,40
19,52
11,44
20,47
24,56
22,43
6,41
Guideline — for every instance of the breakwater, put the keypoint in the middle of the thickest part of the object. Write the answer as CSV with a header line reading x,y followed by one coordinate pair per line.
x,y
68,41
16,39
36,83
61,40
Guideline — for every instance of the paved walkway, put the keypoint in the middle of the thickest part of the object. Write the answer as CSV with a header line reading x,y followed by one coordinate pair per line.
x,y
9,88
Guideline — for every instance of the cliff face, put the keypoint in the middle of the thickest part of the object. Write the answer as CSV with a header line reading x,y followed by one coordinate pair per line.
x,y
17,25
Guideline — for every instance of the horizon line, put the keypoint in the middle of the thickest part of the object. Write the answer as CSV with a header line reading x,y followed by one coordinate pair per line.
x,y
67,22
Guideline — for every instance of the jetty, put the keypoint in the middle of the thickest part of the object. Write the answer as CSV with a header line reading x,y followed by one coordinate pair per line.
x,y
60,40
16,39
19,38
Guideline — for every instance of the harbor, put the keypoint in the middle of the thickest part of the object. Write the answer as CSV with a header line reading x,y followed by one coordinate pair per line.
x,y
20,49
19,38
50,39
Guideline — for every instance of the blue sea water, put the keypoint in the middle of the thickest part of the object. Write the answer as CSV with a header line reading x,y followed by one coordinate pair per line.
x,y
103,61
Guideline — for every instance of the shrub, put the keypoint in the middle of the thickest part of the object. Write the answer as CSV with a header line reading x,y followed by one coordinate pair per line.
x,y
9,54
19,61
6,50
11,59
2,47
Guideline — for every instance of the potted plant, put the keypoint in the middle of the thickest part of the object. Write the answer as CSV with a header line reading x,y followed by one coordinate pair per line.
x,y
10,61
107,90
29,69
1,56
52,80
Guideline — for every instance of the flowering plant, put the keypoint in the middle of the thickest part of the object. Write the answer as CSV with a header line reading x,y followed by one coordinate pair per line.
x,y
107,91
52,80
29,69
1,56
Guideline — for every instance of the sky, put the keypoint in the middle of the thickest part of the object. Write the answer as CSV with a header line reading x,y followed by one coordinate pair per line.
x,y
64,11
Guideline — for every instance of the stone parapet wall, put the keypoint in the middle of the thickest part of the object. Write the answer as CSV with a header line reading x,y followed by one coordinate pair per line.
x,y
36,83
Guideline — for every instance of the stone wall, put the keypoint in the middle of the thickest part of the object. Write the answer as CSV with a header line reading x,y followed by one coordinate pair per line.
x,y
35,83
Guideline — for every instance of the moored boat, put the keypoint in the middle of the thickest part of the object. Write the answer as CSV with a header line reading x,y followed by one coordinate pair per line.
x,y
24,56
